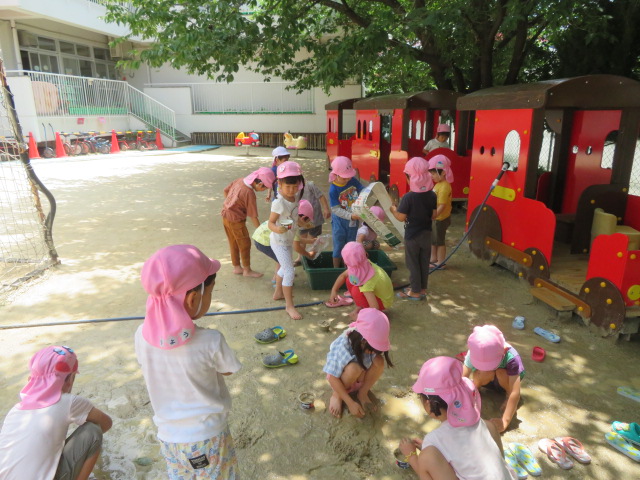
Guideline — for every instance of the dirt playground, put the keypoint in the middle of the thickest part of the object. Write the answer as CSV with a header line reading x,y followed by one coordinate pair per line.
x,y
115,211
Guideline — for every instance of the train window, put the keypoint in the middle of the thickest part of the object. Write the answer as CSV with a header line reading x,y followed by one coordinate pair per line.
x,y
589,150
512,150
634,180
493,151
370,129
575,149
482,150
418,130
609,149
359,134
411,129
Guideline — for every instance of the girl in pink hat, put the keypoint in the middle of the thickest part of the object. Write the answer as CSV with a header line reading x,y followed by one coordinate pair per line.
x,y
355,362
440,141
440,170
343,191
33,443
416,211
184,365
240,203
368,284
283,223
464,446
491,361
366,235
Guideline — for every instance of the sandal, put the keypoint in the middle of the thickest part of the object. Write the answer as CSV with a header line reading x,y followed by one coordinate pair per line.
x,y
526,459
574,448
619,443
511,460
629,431
406,296
555,452
270,335
339,302
280,359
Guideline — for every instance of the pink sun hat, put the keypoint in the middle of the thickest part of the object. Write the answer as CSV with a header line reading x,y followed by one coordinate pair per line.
x,y
378,212
442,162
442,376
305,208
486,347
419,178
358,265
49,369
289,169
167,276
264,174
443,128
342,167
374,327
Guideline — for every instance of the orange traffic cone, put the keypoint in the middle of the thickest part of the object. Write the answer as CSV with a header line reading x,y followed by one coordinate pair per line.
x,y
115,146
159,140
33,148
59,147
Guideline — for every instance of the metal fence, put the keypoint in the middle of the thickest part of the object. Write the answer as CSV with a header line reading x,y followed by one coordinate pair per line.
x,y
58,95
246,98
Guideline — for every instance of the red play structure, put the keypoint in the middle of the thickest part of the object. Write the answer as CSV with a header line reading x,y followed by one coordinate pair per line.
x,y
573,151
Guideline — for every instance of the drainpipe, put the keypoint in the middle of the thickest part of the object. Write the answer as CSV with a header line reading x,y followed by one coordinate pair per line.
x,y
16,46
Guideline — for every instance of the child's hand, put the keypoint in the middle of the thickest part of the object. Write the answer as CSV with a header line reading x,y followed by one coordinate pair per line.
x,y
283,229
356,409
500,424
354,217
407,446
267,198
326,214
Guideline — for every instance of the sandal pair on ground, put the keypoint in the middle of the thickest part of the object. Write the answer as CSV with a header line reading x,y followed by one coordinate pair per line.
x,y
625,437
404,295
280,359
521,459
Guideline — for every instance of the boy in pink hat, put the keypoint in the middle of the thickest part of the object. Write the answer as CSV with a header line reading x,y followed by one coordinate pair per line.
x,y
184,365
368,284
283,223
440,141
440,170
343,191
33,443
366,235
416,210
240,203
355,362
464,446
491,361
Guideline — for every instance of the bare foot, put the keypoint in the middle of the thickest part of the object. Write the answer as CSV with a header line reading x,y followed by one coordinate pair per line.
x,y
335,406
238,270
251,273
278,295
293,313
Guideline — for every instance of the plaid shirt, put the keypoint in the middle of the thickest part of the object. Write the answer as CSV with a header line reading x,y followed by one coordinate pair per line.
x,y
341,354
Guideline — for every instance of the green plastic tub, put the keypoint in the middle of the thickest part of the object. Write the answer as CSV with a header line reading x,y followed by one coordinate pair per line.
x,y
322,275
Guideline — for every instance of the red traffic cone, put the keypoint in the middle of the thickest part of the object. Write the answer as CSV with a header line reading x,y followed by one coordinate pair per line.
x,y
59,147
33,148
159,140
115,146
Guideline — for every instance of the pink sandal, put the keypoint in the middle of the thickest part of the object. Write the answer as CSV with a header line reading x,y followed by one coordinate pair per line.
x,y
555,452
574,447
339,302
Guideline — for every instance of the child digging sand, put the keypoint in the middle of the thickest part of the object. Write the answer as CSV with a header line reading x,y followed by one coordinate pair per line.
x,y
240,203
492,361
184,365
32,441
355,362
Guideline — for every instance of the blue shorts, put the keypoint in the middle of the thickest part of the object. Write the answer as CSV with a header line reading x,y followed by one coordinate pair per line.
x,y
342,234
268,251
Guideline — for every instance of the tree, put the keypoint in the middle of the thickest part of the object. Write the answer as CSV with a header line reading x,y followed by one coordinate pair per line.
x,y
390,45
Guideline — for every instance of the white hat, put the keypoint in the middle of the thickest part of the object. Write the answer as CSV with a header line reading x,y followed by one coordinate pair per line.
x,y
279,152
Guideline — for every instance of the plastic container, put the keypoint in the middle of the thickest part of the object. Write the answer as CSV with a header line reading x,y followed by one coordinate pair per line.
x,y
322,241
322,274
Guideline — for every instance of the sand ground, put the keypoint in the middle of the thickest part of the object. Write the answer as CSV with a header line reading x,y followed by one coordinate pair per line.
x,y
115,211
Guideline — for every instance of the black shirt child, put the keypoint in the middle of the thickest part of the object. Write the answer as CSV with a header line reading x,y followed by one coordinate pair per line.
x,y
419,208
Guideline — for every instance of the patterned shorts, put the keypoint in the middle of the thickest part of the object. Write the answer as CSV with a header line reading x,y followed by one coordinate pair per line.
x,y
214,458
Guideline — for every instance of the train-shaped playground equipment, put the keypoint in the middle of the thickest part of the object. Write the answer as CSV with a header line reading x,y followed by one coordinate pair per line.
x,y
565,215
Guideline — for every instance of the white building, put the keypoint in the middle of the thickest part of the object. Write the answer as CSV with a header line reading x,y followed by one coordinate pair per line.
x,y
62,72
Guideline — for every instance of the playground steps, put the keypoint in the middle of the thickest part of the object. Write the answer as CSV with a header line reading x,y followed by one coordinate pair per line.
x,y
562,301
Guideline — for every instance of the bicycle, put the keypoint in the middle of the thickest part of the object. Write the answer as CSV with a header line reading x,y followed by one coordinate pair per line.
x,y
47,152
123,143
72,149
98,145
144,142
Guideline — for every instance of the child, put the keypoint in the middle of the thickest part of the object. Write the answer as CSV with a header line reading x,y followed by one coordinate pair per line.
x,y
183,365
464,446
262,241
366,236
355,363
321,211
368,284
280,155
284,212
240,203
441,140
32,440
440,170
416,210
343,191
491,360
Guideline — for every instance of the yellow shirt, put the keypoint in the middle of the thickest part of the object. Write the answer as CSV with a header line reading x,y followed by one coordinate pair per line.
x,y
381,286
443,192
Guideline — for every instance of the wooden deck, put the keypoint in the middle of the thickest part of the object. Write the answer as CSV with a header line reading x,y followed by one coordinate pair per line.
x,y
567,270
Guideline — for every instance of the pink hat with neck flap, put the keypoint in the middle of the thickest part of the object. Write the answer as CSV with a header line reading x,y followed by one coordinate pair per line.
x,y
378,212
167,276
442,376
305,208
341,167
374,327
358,265
419,177
486,347
264,174
49,370
442,162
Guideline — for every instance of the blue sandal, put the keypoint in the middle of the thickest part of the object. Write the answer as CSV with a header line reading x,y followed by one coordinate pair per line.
x,y
280,359
552,337
270,335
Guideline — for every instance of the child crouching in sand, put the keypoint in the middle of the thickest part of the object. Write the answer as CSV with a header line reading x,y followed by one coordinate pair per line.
x,y
366,235
355,362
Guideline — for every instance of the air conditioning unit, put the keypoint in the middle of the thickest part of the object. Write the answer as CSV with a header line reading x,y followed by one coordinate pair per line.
x,y
120,50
